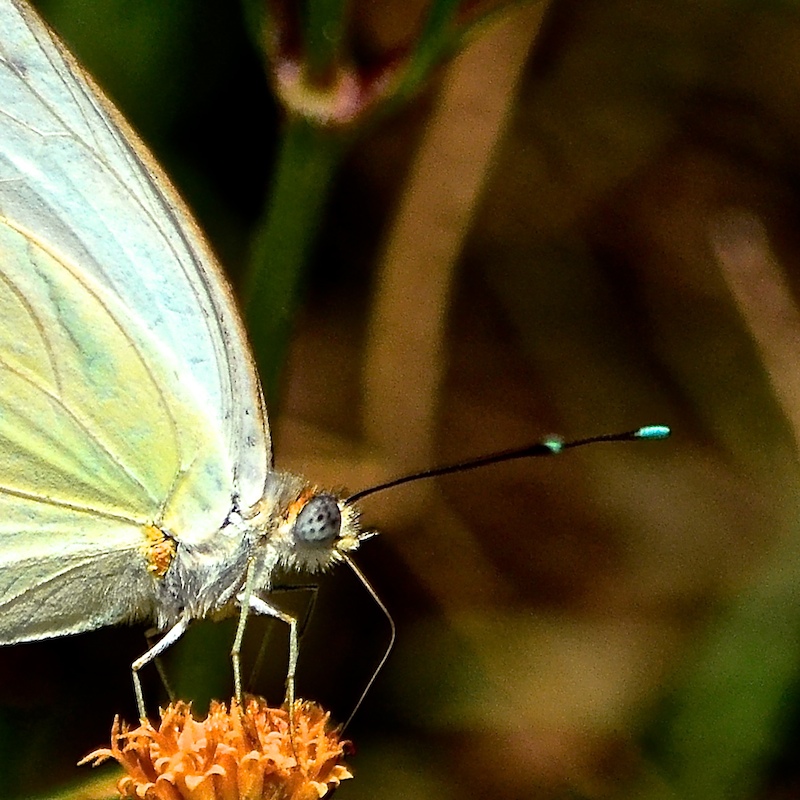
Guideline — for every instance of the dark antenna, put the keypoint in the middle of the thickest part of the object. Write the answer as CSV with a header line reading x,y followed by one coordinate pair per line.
x,y
547,447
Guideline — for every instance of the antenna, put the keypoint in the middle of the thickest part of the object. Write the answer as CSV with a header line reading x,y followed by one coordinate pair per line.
x,y
547,447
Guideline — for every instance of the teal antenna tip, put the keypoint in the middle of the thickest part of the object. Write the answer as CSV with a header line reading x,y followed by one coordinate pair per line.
x,y
653,432
554,445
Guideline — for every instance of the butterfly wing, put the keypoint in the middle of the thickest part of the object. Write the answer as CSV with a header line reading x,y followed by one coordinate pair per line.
x,y
127,393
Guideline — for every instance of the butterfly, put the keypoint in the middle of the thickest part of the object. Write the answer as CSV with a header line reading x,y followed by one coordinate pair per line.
x,y
136,470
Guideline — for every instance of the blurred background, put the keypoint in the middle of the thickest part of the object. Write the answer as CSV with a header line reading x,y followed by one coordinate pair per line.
x,y
459,228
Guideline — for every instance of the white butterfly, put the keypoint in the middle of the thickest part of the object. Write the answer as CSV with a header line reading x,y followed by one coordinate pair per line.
x,y
136,477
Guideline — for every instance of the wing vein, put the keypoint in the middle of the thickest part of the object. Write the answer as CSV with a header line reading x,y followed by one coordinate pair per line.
x,y
40,328
83,426
81,279
99,513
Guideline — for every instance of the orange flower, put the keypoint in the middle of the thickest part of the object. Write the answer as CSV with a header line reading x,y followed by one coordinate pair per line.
x,y
230,755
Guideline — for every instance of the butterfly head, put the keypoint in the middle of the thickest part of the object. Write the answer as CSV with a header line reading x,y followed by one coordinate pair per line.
x,y
309,528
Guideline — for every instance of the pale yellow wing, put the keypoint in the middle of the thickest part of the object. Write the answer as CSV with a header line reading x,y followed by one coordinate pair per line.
x,y
98,438
73,173
127,394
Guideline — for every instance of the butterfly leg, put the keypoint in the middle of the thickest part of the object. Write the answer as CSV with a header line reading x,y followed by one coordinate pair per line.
x,y
259,606
313,590
150,637
167,640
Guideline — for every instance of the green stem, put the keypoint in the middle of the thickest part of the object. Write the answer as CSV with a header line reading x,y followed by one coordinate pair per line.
x,y
323,29
306,163
434,41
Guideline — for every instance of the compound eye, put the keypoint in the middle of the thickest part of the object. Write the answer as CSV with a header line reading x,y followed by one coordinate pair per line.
x,y
319,521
